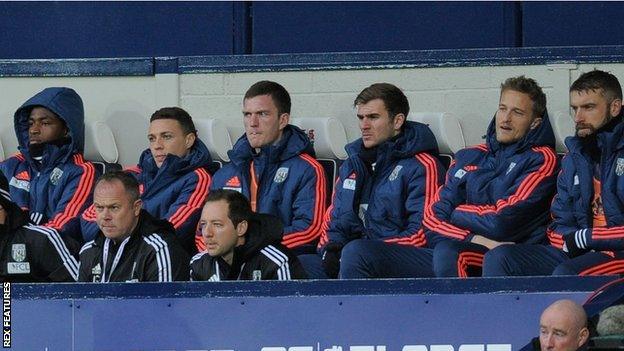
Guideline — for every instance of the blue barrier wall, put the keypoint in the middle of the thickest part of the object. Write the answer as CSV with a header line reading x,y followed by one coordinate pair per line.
x,y
280,27
32,30
115,29
572,23
499,314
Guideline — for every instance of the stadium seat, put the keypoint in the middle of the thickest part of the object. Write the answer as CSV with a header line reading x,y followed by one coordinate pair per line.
x,y
100,146
564,127
216,137
329,139
1,151
447,130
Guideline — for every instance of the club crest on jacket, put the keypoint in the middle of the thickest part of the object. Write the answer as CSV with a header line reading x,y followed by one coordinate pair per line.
x,y
619,167
281,175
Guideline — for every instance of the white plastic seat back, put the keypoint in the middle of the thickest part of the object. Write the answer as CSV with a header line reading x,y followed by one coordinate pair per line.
x,y
564,127
446,128
100,143
327,135
216,137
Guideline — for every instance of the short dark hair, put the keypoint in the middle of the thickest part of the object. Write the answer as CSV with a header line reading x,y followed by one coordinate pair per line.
x,y
130,184
178,114
597,80
239,208
278,93
530,87
393,98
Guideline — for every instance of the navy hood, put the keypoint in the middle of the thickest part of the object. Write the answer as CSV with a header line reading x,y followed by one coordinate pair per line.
x,y
67,105
415,137
543,135
198,157
294,142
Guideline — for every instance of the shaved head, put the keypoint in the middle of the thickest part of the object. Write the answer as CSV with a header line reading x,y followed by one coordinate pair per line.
x,y
563,326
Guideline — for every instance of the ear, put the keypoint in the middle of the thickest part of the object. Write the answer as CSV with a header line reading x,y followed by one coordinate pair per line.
x,y
399,120
536,122
583,336
136,207
189,140
284,119
616,107
241,228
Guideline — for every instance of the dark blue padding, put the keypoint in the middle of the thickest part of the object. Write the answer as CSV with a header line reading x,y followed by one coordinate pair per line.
x,y
520,285
401,59
565,23
148,66
77,67
342,26
57,29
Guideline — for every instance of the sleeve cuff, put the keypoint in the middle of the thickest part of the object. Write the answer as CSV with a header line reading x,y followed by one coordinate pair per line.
x,y
582,237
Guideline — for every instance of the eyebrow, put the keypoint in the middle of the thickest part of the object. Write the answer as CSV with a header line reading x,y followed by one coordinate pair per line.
x,y
161,133
369,115
256,111
41,117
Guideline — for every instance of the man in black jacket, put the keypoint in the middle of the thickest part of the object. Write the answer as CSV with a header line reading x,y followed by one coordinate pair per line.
x,y
241,244
31,253
131,245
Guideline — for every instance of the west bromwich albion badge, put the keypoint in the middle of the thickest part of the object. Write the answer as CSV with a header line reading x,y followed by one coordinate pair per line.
x,y
56,175
18,252
619,166
395,173
281,174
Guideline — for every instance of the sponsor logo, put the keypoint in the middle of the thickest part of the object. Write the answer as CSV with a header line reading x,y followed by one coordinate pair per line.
x,y
20,184
96,273
23,175
18,267
349,184
511,166
233,182
460,173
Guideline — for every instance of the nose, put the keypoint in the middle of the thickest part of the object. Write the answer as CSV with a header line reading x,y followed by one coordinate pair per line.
x,y
33,129
578,116
106,214
206,232
254,120
505,116
549,342
158,144
364,124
